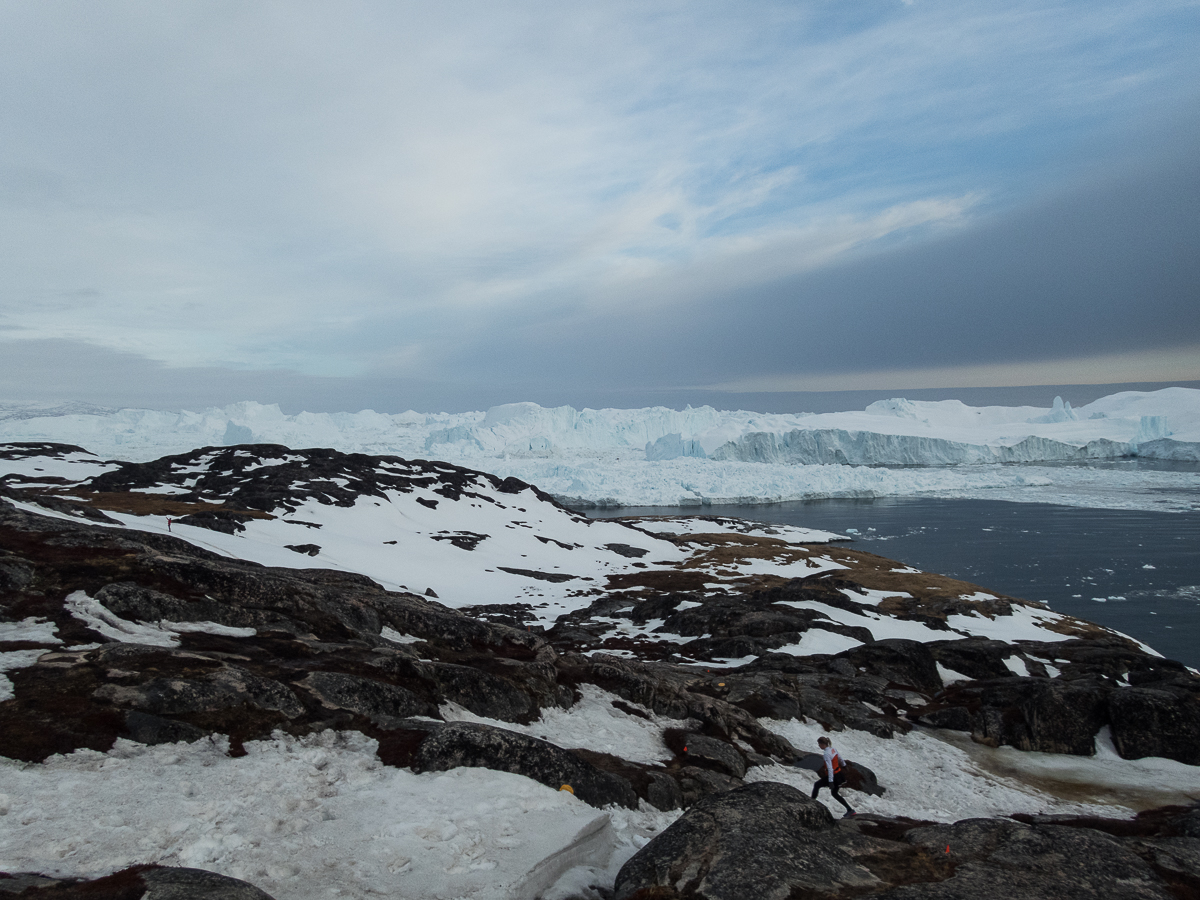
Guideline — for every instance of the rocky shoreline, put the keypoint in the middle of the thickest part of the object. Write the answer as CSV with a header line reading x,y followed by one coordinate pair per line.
x,y
147,637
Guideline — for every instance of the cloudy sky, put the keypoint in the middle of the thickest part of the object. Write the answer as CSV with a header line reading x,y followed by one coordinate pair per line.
x,y
453,204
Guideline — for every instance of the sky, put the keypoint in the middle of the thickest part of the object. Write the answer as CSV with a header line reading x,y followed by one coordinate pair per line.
x,y
448,206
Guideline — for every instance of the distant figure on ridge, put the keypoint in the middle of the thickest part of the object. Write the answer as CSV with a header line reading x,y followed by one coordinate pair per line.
x,y
831,774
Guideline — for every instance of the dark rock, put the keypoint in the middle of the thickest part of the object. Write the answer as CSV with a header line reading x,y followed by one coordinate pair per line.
x,y
664,690
629,552
1175,859
556,577
306,549
482,693
148,729
656,607
463,744
1154,722
902,662
860,778
168,883
976,658
226,688
378,701
1003,858
699,750
763,840
696,782
159,882
142,604
956,718
652,783
221,520
16,574
1033,713
663,792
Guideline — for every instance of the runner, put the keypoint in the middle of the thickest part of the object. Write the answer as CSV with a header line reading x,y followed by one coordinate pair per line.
x,y
832,775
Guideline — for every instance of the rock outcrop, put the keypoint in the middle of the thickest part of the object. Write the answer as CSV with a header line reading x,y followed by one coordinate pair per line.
x,y
769,840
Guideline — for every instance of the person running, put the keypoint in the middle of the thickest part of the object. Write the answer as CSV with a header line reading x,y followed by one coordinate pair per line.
x,y
832,775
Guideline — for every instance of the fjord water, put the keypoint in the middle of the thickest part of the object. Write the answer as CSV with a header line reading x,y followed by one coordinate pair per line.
x,y
1135,571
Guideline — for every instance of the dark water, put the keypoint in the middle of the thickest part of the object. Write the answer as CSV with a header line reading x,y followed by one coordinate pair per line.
x,y
1137,572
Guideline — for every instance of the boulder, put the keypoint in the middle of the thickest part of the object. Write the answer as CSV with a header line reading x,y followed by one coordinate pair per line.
x,y
466,744
764,840
1155,722
378,701
1052,716
484,694
707,752
159,882
902,662
696,782
1003,858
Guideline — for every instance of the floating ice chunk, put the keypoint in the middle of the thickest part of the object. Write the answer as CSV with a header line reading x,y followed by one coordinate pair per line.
x,y
1061,412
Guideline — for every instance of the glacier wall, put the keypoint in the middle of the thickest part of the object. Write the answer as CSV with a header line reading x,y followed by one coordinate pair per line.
x,y
697,456
865,448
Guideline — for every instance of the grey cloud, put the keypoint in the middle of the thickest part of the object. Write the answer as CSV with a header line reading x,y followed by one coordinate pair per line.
x,y
1112,266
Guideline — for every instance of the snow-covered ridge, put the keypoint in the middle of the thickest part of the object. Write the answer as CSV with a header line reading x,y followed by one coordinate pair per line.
x,y
660,456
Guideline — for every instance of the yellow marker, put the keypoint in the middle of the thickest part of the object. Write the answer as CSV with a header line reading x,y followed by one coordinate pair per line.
x,y
567,788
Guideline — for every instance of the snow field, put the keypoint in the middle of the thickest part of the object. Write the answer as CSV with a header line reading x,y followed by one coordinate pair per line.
x,y
321,816
943,776
302,819
405,546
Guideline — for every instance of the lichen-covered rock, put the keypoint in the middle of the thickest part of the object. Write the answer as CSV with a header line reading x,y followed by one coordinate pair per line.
x,y
765,840
377,700
1003,858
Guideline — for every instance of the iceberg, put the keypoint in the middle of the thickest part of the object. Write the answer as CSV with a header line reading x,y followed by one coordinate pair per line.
x,y
673,446
702,455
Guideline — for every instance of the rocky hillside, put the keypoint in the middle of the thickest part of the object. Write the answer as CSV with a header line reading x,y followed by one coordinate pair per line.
x,y
235,603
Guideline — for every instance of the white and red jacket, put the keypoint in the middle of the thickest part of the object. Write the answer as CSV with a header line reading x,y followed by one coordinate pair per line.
x,y
833,763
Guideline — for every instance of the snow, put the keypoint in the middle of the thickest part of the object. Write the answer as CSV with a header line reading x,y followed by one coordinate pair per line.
x,y
592,723
943,776
818,640
706,456
30,629
307,818
396,637
157,634
874,597
1017,666
949,676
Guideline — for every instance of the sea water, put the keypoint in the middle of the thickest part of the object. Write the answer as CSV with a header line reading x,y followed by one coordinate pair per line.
x,y
1137,572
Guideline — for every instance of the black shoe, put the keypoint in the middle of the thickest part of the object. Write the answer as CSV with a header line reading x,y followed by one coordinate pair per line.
x,y
850,814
